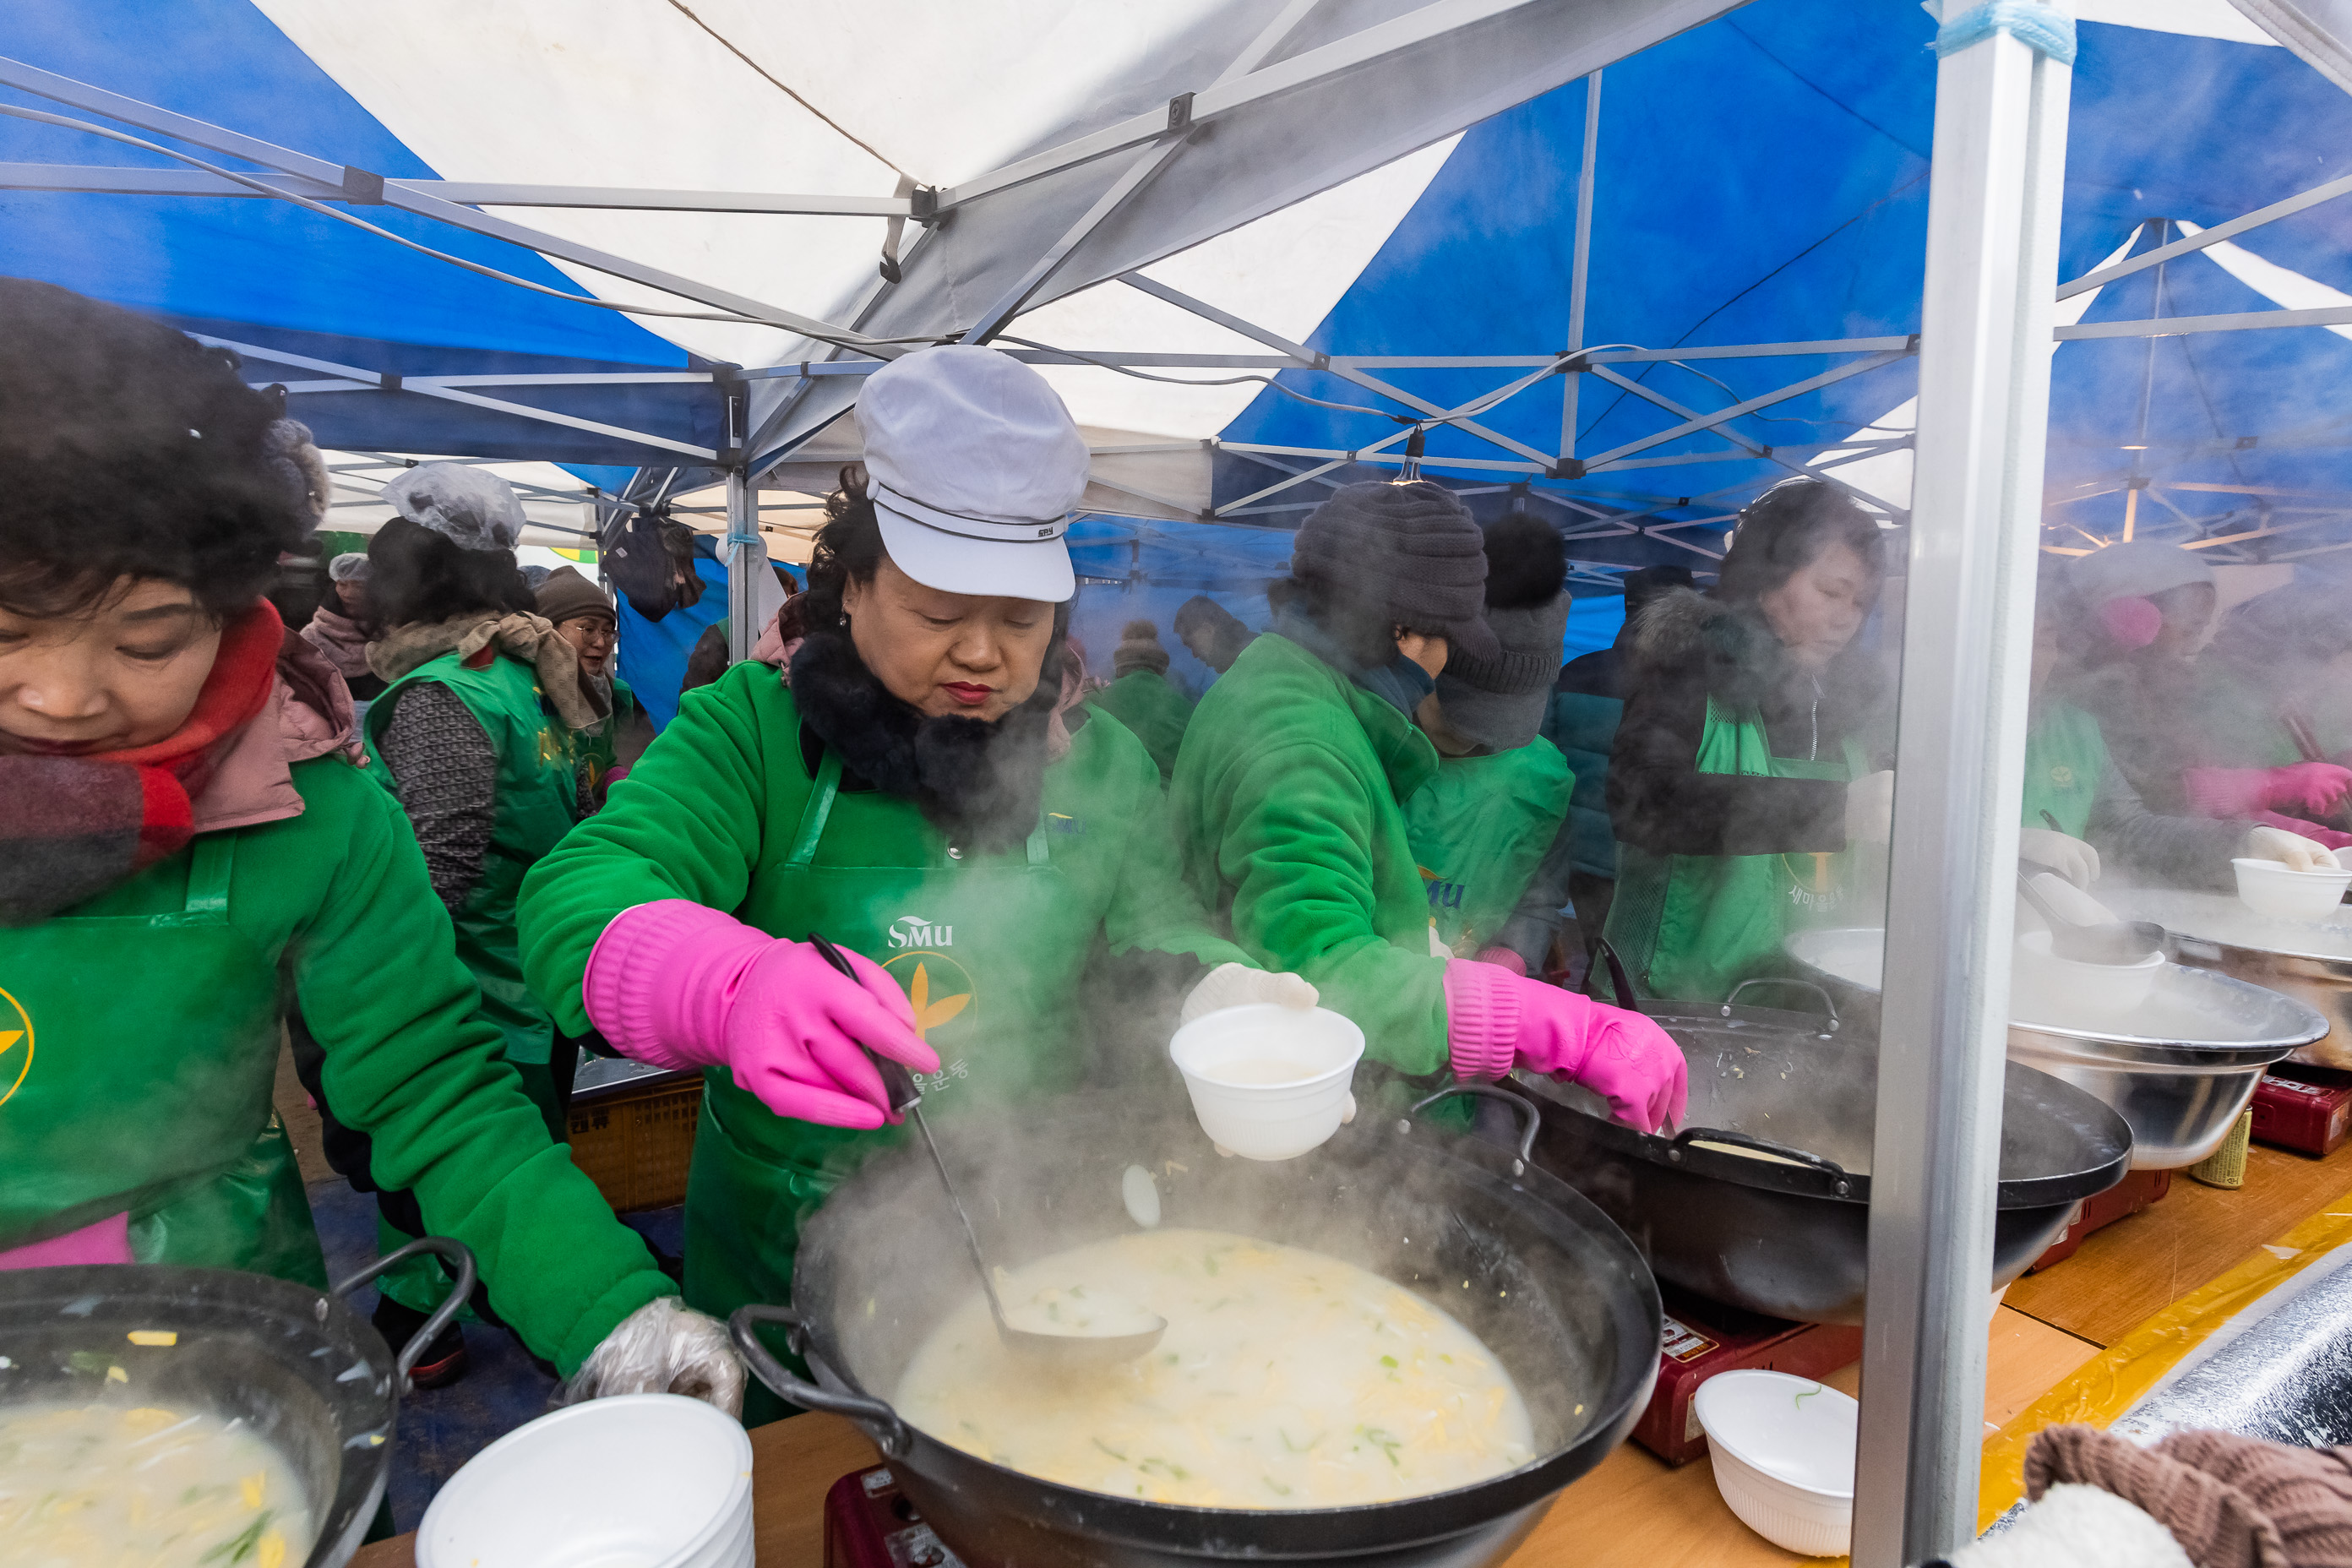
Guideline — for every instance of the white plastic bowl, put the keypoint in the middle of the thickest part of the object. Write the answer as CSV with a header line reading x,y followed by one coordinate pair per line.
x,y
1783,1455
1222,1056
2045,987
640,1480
2269,888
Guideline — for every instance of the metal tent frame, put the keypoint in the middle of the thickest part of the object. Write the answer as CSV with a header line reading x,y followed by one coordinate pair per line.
x,y
1101,205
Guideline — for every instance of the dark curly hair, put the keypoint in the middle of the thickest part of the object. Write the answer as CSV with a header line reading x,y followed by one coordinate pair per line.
x,y
129,450
416,574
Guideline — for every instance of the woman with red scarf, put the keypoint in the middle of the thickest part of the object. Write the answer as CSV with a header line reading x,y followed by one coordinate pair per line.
x,y
183,831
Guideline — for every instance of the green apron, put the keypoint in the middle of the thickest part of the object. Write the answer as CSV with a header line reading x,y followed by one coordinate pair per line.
x,y
990,949
537,803
541,764
1692,927
1478,831
140,1082
2064,754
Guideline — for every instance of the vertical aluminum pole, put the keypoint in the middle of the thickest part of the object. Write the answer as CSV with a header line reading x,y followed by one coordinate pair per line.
x,y
1984,385
742,566
1574,380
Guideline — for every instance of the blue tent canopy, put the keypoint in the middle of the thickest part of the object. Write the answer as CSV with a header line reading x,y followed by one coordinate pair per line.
x,y
1760,179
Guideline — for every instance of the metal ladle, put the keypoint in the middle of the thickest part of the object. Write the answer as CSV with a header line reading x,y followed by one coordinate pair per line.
x,y
1063,1350
2121,943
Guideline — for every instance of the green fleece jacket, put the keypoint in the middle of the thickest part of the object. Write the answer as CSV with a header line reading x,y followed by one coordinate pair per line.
x,y
1288,804
339,897
1148,703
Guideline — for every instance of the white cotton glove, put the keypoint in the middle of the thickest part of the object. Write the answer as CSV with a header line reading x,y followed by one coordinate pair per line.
x,y
2292,850
2077,1527
2063,853
1237,984
1870,808
663,1347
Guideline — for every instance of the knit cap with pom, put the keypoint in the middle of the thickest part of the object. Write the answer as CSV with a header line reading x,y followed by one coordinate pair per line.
x,y
1500,702
1139,648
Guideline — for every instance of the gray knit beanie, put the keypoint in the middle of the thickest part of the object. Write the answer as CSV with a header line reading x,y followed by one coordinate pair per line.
x,y
1410,552
1139,648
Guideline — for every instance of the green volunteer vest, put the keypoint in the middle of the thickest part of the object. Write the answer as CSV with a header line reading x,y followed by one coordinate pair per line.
x,y
1478,830
540,763
1149,704
990,949
2064,754
1692,927
137,1055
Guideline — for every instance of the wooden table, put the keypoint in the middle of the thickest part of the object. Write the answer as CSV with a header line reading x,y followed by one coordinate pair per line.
x,y
1634,1511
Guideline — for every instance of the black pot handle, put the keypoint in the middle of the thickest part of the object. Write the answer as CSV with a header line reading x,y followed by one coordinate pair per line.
x,y
1829,1005
1617,978
460,1259
1531,1119
879,1422
1761,1146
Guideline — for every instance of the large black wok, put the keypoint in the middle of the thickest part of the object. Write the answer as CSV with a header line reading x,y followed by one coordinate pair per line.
x,y
1557,1292
302,1370
1788,1236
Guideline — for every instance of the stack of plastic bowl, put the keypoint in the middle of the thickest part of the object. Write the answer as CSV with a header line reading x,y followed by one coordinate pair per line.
x,y
2269,888
1783,1452
640,1480
1268,1082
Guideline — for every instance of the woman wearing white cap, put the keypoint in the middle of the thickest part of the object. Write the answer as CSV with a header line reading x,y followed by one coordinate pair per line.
x,y
915,795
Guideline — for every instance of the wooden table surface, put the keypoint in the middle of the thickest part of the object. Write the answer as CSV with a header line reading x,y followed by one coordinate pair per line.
x,y
1634,1512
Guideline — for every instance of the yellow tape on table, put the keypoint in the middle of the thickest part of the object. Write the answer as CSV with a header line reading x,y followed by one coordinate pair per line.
x,y
2112,1382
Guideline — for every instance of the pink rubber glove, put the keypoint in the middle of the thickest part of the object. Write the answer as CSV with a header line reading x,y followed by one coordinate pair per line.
x,y
1503,958
1495,1019
675,985
2302,787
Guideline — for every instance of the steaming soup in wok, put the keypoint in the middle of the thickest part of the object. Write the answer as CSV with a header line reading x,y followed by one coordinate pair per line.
x,y
1287,1379
103,1486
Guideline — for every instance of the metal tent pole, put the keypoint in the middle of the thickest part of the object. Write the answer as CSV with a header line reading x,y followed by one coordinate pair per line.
x,y
1574,381
1984,382
743,575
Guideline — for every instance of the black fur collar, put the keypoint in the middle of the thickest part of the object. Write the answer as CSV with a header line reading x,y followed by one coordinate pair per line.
x,y
982,784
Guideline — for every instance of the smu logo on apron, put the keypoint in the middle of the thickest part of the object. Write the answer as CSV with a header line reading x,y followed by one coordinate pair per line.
x,y
938,987
16,1045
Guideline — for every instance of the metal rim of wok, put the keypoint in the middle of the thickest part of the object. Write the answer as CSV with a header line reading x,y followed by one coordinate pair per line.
x,y
1478,1171
1813,1175
2282,1025
329,1366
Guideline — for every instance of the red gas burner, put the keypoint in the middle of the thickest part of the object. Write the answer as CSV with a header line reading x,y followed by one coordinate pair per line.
x,y
870,1523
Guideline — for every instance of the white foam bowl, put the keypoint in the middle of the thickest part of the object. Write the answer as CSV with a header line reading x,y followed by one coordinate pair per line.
x,y
639,1481
1783,1455
1268,1121
2044,985
2269,888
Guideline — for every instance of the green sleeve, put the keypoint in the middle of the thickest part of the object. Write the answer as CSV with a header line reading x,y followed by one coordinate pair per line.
x,y
411,1064
1153,908
685,824
1295,850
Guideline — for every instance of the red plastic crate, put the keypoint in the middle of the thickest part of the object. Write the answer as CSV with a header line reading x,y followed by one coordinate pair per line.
x,y
2122,1200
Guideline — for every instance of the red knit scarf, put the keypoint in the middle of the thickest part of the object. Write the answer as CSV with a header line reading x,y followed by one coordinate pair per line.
x,y
70,827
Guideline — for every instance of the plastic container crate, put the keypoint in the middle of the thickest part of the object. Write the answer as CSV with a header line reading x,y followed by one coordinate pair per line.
x,y
633,1135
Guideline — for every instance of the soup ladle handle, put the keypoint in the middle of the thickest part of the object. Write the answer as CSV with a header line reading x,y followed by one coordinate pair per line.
x,y
1531,1119
881,1423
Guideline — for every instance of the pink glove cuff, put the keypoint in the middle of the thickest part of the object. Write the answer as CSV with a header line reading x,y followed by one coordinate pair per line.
x,y
1481,1018
660,977
2327,837
2226,791
1503,958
